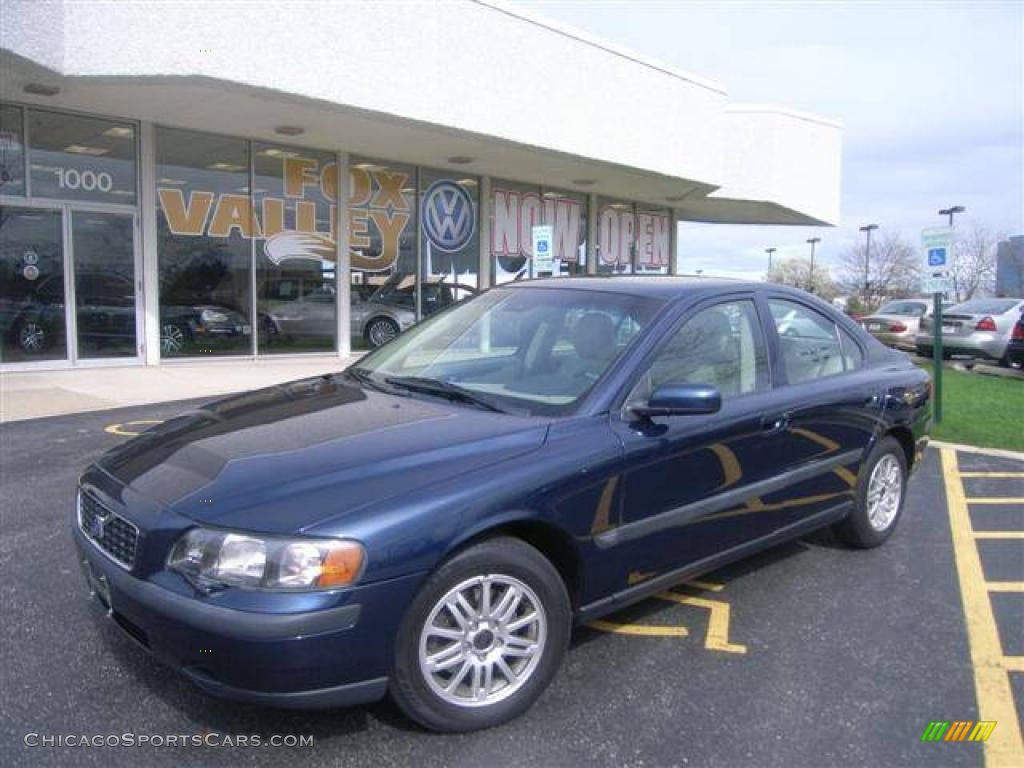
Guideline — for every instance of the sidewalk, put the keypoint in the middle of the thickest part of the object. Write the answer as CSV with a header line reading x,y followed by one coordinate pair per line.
x,y
31,395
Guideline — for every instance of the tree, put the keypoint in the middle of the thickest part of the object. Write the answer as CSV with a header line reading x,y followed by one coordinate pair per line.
x,y
795,271
974,262
891,272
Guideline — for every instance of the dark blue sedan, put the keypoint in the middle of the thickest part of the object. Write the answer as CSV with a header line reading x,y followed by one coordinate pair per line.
x,y
432,521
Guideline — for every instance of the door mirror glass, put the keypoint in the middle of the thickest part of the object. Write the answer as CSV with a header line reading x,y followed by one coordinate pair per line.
x,y
680,400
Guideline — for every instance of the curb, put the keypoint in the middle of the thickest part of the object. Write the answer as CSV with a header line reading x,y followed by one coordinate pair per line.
x,y
999,452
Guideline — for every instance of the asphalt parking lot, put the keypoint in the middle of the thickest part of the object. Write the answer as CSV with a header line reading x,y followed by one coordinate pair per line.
x,y
808,655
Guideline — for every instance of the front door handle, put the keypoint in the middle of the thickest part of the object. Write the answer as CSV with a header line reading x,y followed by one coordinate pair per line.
x,y
774,423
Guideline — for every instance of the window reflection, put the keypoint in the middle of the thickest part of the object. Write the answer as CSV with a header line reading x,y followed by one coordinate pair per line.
x,y
382,245
104,264
31,285
295,192
12,151
517,208
204,224
73,157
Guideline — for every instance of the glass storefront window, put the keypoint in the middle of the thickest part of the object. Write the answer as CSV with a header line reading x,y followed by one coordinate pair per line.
x,y
632,238
295,193
616,236
450,240
72,157
12,150
382,248
517,208
205,223
652,240
32,322
102,248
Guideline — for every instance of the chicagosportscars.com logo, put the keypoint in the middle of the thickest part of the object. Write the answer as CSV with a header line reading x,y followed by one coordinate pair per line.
x,y
958,730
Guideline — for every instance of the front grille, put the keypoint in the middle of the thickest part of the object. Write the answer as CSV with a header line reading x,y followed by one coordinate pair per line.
x,y
111,532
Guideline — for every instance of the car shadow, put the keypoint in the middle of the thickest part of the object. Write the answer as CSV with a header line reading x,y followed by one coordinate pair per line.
x,y
645,610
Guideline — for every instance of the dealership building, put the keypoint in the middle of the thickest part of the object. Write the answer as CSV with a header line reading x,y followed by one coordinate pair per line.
x,y
185,180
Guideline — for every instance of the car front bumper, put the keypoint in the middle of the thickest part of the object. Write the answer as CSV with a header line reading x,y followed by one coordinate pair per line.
x,y
324,657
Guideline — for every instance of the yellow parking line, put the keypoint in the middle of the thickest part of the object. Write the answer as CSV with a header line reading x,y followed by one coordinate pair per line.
x,y
1004,586
998,534
991,682
1013,663
1009,500
992,474
717,638
646,630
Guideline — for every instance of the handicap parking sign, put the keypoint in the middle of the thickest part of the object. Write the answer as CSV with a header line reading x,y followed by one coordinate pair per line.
x,y
936,257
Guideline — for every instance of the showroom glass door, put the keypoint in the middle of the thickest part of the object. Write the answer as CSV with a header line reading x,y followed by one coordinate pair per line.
x,y
105,285
33,323
53,258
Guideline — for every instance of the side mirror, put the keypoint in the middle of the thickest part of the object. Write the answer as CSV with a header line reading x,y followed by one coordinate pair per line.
x,y
680,400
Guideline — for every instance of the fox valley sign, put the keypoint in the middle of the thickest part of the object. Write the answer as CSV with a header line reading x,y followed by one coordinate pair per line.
x,y
377,205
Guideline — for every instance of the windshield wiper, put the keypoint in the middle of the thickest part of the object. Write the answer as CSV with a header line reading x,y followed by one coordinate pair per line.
x,y
362,375
442,388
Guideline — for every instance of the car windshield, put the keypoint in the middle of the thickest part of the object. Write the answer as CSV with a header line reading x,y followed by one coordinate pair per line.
x,y
523,349
984,307
908,308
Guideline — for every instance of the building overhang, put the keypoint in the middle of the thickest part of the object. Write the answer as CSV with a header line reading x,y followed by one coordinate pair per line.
x,y
522,98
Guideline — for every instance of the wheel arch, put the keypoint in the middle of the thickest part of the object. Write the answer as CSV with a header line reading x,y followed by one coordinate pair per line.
x,y
551,541
905,437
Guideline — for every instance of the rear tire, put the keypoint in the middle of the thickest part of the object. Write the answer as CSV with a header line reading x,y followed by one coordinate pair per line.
x,y
878,503
380,331
464,662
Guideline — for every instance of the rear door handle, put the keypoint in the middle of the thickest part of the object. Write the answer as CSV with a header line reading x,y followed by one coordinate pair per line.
x,y
775,423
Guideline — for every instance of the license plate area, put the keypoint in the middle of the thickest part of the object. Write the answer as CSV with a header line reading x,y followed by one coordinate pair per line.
x,y
99,587
874,326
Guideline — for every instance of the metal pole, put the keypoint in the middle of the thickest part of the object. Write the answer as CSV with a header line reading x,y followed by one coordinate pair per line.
x,y
770,252
868,228
937,330
810,276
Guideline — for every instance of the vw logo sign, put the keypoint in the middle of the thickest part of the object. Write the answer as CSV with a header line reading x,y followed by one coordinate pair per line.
x,y
447,215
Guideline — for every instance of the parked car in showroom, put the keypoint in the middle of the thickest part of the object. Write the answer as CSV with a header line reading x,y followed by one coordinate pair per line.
x,y
391,309
896,322
433,520
978,328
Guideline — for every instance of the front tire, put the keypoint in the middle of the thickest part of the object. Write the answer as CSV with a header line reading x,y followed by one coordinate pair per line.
x,y
881,489
482,639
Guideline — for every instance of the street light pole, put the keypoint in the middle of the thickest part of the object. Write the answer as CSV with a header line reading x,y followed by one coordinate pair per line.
x,y
952,211
810,277
770,252
868,229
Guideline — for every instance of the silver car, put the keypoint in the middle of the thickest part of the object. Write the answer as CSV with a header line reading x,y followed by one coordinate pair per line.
x,y
390,310
896,323
978,328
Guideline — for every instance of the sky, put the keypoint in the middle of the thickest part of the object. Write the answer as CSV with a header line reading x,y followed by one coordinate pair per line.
x,y
930,94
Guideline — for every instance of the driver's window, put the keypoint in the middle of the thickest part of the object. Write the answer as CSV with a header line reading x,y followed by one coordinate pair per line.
x,y
722,346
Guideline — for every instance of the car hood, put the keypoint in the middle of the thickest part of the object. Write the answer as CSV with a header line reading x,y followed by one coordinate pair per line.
x,y
289,457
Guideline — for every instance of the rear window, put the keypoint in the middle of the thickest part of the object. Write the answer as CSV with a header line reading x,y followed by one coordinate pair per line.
x,y
984,307
908,308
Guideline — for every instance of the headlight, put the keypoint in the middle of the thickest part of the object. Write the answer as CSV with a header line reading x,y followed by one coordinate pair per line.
x,y
266,562
212,316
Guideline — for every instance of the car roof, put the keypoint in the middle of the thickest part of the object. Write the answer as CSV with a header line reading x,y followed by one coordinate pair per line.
x,y
666,287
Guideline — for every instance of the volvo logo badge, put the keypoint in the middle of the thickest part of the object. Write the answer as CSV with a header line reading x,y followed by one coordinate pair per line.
x,y
447,216
96,526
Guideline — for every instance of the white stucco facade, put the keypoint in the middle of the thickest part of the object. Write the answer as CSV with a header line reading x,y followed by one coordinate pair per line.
x,y
477,87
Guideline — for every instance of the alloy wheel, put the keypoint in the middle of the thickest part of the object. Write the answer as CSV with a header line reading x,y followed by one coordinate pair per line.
x,y
885,489
32,337
381,331
483,640
172,339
